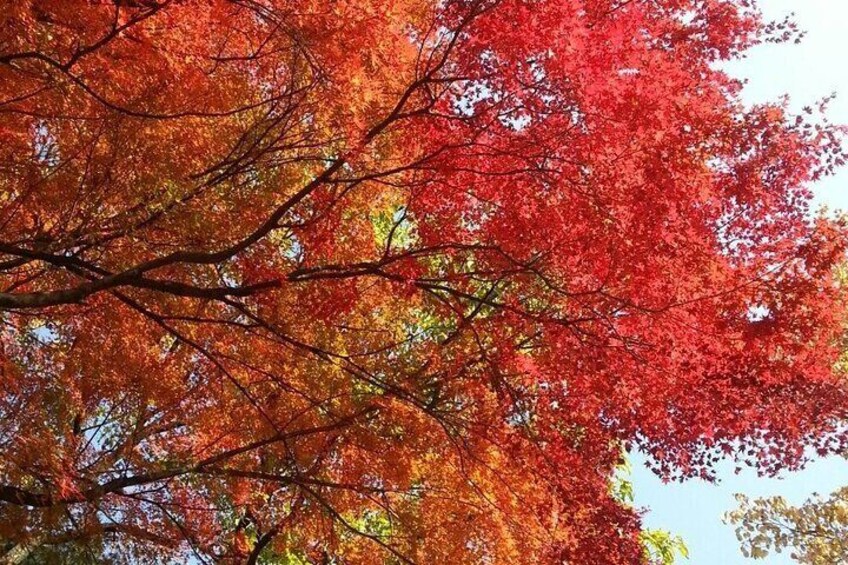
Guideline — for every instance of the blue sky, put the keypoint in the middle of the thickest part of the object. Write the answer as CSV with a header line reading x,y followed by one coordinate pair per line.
x,y
806,72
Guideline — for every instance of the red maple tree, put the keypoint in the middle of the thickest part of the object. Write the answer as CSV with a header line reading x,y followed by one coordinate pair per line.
x,y
377,282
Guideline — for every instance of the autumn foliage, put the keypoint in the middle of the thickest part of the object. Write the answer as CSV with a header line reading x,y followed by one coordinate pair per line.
x,y
362,281
814,533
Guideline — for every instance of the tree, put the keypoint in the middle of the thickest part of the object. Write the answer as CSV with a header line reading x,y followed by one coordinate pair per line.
x,y
370,282
817,529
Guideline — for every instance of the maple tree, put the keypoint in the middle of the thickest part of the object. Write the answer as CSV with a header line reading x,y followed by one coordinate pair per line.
x,y
376,282
816,531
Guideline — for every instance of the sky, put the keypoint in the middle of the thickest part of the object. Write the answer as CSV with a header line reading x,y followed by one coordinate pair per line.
x,y
807,73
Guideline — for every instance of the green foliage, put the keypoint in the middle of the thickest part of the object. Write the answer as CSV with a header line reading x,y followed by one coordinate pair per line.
x,y
661,547
373,523
287,558
394,229
622,486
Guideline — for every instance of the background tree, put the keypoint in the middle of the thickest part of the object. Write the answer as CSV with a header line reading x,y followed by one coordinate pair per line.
x,y
816,531
376,282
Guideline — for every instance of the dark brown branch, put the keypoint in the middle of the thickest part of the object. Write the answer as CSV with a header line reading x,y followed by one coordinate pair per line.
x,y
20,497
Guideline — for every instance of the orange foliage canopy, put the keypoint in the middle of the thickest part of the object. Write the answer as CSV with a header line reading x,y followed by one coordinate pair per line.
x,y
376,282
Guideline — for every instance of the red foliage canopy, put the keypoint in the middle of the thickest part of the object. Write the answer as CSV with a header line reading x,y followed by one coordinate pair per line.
x,y
371,282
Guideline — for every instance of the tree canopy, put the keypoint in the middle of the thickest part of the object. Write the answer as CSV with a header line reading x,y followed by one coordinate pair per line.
x,y
396,282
